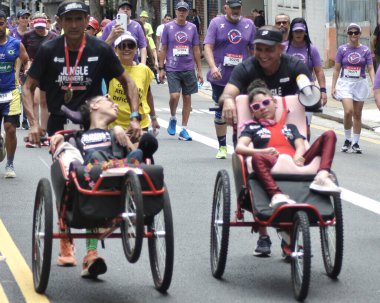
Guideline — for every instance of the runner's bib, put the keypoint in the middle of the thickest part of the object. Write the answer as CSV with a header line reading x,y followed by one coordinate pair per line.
x,y
6,97
232,59
180,51
351,72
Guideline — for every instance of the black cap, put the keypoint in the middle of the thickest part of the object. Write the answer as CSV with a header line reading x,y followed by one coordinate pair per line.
x,y
268,36
67,6
233,3
22,12
122,3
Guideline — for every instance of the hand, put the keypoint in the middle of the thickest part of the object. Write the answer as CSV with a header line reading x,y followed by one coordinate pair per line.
x,y
269,151
134,130
162,76
55,141
333,91
200,77
117,31
229,111
324,98
155,125
120,135
299,160
34,135
215,73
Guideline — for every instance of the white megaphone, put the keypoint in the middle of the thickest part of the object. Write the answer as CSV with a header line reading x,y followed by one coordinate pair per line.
x,y
310,95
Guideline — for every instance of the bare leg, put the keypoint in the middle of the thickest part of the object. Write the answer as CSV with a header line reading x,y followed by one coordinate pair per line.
x,y
348,108
186,109
10,140
357,117
173,103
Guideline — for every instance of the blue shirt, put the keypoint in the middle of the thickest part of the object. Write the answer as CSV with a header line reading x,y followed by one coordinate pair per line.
x,y
9,52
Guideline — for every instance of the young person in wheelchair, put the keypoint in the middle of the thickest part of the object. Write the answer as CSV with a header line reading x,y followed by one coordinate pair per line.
x,y
94,146
264,139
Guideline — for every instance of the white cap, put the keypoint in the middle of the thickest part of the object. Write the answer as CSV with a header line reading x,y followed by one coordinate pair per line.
x,y
124,37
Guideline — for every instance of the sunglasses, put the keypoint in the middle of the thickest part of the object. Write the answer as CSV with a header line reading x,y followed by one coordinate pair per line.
x,y
350,33
281,22
258,105
129,45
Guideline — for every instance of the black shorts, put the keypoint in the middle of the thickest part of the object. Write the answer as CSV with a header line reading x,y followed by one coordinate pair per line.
x,y
14,120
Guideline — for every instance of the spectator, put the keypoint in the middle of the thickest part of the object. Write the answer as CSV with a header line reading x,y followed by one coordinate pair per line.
x,y
282,22
350,84
159,30
92,27
197,21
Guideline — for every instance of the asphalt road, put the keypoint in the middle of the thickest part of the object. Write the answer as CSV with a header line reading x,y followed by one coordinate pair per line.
x,y
190,171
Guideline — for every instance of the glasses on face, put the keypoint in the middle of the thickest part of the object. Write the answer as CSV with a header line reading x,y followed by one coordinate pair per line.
x,y
258,105
124,45
281,22
350,33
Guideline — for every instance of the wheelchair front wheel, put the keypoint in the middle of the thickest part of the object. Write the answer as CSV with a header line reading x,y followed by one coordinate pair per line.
x,y
132,226
332,241
42,235
161,246
220,224
301,255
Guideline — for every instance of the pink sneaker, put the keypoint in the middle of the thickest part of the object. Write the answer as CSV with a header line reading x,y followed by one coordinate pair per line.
x,y
93,265
66,254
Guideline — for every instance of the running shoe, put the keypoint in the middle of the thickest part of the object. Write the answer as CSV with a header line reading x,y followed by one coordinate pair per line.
x,y
263,247
325,186
172,127
93,265
31,145
66,253
184,135
356,148
10,171
222,153
3,151
346,146
25,125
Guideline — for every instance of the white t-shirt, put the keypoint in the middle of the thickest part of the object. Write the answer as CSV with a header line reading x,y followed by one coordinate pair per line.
x,y
159,31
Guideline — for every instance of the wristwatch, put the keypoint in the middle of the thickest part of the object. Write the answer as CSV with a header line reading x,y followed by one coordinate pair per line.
x,y
135,115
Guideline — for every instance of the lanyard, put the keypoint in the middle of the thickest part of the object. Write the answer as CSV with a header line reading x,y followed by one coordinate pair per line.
x,y
67,59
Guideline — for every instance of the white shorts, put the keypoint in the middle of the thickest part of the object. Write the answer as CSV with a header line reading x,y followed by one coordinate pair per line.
x,y
357,90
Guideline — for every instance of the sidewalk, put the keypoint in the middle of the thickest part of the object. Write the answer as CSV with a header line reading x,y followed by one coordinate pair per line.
x,y
333,109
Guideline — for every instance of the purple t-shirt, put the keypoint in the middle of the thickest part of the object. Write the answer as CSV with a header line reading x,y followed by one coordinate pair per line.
x,y
314,60
353,60
15,34
133,27
231,42
179,40
377,79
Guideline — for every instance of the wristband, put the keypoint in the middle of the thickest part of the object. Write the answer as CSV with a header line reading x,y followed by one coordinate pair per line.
x,y
323,89
135,115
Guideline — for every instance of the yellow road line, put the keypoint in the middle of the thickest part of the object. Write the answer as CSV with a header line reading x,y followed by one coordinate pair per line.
x,y
3,297
375,141
19,268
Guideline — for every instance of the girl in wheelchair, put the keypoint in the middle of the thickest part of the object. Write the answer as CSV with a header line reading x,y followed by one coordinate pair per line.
x,y
264,139
95,145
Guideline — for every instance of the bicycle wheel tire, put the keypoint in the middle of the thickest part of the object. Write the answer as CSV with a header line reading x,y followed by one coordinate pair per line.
x,y
132,226
332,241
42,235
220,224
161,246
301,255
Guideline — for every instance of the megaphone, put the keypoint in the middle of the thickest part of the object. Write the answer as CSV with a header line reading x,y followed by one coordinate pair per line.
x,y
310,95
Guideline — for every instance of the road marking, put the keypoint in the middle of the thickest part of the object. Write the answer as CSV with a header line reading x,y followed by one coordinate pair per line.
x,y
3,296
347,195
19,268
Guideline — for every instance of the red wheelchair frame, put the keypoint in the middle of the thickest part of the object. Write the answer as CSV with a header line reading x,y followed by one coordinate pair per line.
x,y
294,219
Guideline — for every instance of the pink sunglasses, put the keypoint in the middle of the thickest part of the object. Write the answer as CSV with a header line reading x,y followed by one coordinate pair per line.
x,y
258,105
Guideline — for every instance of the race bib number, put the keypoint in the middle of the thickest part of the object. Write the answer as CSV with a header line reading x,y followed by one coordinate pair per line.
x,y
6,97
181,50
232,59
351,72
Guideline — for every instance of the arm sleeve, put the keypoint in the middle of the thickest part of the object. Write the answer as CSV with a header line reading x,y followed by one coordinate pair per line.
x,y
141,38
164,36
40,62
211,34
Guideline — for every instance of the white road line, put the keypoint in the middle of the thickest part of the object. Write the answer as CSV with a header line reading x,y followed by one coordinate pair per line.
x,y
347,195
206,111
44,162
196,111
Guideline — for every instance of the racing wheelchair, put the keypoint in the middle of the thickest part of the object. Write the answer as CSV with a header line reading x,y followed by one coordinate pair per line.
x,y
128,202
311,210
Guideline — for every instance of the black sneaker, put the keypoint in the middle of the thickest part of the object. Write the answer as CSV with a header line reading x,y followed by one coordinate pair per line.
x,y
263,247
25,125
346,146
356,149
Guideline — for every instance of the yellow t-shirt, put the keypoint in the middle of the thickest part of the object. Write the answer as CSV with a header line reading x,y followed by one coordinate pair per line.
x,y
142,75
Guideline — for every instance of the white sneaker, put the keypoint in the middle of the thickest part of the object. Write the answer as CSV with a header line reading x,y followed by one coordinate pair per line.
x,y
325,185
280,199
3,151
10,171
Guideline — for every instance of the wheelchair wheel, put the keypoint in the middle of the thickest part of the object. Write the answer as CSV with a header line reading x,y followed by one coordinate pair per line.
x,y
42,235
161,246
332,241
301,255
132,226
220,224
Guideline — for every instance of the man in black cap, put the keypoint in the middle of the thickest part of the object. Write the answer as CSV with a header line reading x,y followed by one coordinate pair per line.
x,y
279,71
70,70
113,30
